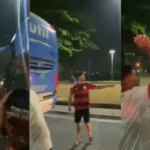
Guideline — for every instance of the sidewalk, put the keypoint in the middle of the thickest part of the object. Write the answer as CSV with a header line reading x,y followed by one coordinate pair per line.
x,y
95,112
64,102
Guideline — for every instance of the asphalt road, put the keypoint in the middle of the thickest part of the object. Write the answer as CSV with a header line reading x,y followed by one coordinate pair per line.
x,y
106,133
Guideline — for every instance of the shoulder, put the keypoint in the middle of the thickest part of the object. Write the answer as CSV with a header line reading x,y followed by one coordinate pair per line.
x,y
139,92
126,94
87,82
140,89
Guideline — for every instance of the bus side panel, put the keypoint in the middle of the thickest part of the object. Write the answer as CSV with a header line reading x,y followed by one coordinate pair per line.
x,y
43,59
13,74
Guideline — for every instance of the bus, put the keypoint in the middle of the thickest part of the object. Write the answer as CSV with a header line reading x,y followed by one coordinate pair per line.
x,y
14,47
43,61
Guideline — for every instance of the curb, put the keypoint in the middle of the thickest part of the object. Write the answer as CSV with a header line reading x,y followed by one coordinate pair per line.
x,y
94,105
92,115
96,82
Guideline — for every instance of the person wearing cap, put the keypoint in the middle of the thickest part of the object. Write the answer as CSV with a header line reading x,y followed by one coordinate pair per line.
x,y
14,120
80,90
135,101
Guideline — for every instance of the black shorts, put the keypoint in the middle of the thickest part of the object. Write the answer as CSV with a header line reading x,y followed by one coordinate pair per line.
x,y
82,113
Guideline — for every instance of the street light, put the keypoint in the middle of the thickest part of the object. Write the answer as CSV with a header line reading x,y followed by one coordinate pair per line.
x,y
112,52
138,64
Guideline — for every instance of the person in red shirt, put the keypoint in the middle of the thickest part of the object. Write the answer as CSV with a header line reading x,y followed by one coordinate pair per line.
x,y
80,90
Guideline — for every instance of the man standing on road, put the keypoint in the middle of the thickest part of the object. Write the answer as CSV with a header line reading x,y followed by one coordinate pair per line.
x,y
73,79
80,90
135,102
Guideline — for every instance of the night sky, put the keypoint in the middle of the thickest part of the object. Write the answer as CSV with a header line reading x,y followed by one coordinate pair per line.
x,y
106,15
9,20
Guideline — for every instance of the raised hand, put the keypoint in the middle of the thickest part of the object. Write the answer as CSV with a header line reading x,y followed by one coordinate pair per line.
x,y
143,42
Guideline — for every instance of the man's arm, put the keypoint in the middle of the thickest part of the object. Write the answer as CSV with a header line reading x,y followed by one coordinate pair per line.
x,y
2,119
69,101
93,86
70,98
103,86
148,91
3,114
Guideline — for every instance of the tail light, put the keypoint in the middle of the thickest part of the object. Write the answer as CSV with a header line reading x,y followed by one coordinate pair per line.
x,y
57,80
52,28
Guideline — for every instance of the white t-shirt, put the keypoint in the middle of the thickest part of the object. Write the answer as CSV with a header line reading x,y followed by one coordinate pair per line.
x,y
136,119
40,138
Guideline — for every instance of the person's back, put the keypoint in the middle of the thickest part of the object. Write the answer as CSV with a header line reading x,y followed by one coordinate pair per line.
x,y
135,105
40,138
135,118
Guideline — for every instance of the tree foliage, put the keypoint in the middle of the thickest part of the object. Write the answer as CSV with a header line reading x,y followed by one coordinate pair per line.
x,y
73,33
135,20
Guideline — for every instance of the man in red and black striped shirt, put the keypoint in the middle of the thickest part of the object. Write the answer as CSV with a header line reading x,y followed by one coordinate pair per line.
x,y
80,90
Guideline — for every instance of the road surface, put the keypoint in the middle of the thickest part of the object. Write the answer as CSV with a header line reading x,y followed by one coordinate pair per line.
x,y
106,133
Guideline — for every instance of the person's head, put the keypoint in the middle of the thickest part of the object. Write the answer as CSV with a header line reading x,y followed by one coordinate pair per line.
x,y
129,78
80,76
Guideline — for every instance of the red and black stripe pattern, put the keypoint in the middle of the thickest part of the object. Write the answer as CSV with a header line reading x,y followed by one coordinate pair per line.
x,y
81,94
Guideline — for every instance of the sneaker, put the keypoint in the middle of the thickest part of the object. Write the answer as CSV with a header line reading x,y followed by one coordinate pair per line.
x,y
90,139
77,143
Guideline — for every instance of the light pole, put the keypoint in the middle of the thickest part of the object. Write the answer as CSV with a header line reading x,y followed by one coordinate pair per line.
x,y
112,52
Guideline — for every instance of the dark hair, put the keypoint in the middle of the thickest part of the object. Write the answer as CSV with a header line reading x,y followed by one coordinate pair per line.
x,y
78,74
126,70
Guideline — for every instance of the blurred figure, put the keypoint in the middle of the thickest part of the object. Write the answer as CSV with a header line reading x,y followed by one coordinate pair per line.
x,y
40,138
3,137
73,79
80,90
135,102
14,122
